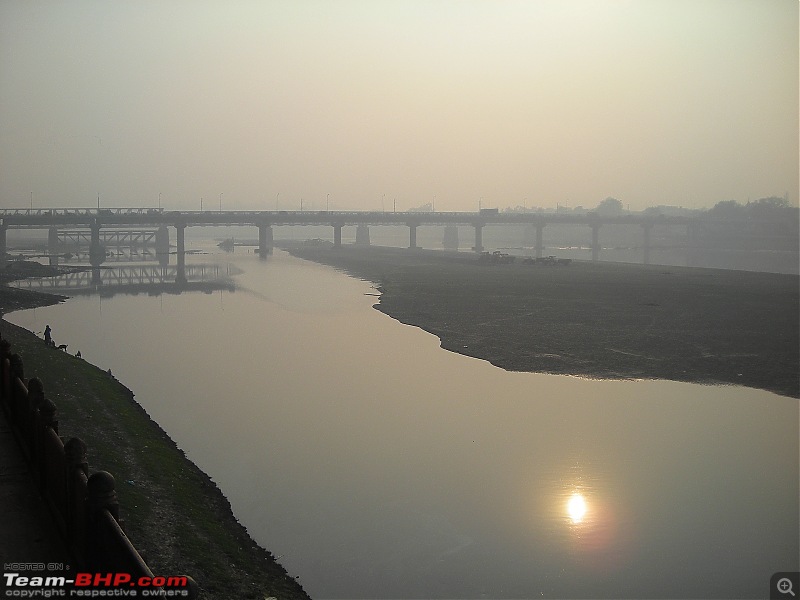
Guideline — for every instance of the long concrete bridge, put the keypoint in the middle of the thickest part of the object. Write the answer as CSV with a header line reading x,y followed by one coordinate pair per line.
x,y
97,219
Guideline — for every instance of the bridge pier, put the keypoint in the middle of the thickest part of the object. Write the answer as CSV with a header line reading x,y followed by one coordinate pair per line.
x,y
646,227
412,235
692,244
450,239
539,244
478,237
595,242
3,244
95,240
97,253
52,239
337,235
362,235
180,228
162,240
265,240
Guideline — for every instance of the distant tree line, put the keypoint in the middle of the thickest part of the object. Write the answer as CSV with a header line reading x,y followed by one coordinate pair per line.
x,y
771,209
774,213
609,206
764,209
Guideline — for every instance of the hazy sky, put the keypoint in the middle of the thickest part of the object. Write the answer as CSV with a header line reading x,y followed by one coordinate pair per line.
x,y
681,102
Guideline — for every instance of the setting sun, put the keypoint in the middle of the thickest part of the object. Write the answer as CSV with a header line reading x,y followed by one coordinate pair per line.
x,y
576,507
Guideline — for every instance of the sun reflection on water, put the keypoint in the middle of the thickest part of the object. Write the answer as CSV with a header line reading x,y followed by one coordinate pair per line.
x,y
576,507
592,527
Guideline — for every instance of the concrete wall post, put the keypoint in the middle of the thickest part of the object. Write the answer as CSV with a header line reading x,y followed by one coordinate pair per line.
x,y
102,494
77,472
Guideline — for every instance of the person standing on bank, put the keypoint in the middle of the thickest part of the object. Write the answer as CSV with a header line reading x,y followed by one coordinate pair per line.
x,y
47,338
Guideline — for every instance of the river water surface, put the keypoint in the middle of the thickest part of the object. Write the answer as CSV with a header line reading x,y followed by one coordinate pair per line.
x,y
377,465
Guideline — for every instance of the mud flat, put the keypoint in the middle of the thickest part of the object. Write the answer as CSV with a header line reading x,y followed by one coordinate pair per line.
x,y
174,513
595,320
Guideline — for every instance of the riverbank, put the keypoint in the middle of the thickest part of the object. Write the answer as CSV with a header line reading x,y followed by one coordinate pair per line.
x,y
174,513
595,320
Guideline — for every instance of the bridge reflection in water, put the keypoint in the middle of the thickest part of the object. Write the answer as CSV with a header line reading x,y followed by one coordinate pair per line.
x,y
136,279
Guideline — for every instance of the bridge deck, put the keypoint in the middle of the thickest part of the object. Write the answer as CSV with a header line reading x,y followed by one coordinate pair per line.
x,y
144,217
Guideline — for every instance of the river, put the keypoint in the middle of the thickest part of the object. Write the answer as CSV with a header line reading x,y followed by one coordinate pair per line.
x,y
377,465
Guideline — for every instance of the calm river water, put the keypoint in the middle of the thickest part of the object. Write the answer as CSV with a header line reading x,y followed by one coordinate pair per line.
x,y
378,465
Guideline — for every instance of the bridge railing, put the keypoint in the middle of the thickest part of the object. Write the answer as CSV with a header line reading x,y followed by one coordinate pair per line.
x,y
84,507
111,217
80,211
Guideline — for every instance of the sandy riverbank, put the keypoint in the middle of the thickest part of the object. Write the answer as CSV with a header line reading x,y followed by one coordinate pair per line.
x,y
174,513
597,320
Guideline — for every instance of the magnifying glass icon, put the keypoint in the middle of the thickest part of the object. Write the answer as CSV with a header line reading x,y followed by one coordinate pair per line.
x,y
785,586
